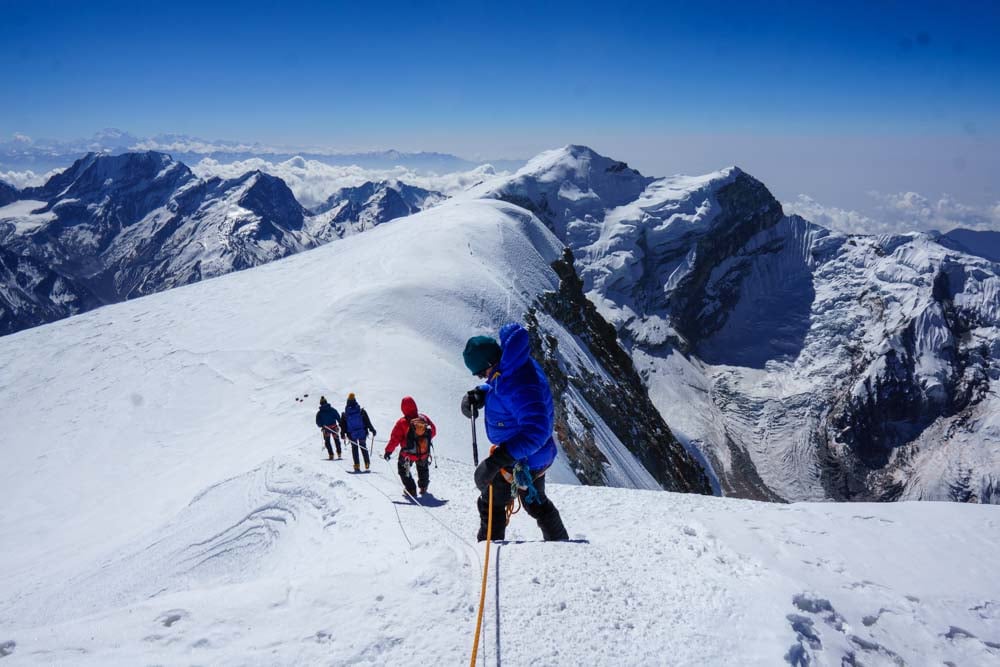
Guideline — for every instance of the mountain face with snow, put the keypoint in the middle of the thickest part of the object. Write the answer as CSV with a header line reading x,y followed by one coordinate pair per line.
x,y
8,193
356,209
605,398
138,223
983,244
114,227
31,293
801,363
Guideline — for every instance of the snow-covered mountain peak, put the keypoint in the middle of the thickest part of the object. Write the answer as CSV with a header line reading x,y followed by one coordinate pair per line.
x,y
578,165
567,184
255,179
354,209
566,163
98,175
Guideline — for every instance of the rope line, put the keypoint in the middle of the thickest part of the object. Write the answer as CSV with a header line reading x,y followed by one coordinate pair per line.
x,y
496,602
480,630
395,509
486,571
442,523
420,505
461,463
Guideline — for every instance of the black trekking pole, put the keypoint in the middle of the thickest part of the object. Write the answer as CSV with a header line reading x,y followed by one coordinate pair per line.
x,y
475,447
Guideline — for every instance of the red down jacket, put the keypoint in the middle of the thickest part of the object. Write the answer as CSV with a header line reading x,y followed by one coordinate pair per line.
x,y
398,435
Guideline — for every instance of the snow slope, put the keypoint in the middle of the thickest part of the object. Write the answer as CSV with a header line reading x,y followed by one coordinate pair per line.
x,y
166,499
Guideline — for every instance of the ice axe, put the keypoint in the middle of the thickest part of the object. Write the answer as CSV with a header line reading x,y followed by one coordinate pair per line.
x,y
475,446
470,408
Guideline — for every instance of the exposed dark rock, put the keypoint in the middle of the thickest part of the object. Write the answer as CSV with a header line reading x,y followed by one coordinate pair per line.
x,y
744,481
623,404
35,294
894,409
8,193
747,209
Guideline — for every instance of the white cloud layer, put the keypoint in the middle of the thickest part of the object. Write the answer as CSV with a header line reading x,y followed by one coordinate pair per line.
x,y
898,213
313,182
27,178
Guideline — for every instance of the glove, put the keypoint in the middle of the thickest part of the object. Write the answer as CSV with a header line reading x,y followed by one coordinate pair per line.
x,y
388,455
374,433
489,468
474,400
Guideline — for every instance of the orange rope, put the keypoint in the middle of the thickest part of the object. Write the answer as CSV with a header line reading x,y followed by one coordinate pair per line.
x,y
486,569
511,511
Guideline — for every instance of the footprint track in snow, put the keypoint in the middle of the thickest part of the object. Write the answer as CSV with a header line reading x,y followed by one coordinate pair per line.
x,y
809,637
168,618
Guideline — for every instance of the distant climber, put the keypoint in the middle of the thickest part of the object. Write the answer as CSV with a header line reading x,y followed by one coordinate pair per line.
x,y
414,431
357,426
328,421
519,419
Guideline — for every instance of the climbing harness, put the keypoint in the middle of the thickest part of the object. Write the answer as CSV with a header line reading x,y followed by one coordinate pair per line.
x,y
525,480
521,478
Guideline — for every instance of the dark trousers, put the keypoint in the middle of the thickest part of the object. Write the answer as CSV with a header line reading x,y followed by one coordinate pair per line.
x,y
544,512
363,446
423,474
326,441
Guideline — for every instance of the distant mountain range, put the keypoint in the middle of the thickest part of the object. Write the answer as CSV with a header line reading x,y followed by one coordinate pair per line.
x,y
352,210
114,227
43,155
793,362
985,244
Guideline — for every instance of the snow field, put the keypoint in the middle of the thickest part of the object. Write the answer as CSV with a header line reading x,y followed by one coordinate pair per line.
x,y
168,498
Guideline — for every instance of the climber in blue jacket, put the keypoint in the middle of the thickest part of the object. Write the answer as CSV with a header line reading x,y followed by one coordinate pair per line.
x,y
519,418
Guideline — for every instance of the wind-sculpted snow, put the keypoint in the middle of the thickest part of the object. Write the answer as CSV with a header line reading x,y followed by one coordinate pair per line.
x,y
300,561
232,532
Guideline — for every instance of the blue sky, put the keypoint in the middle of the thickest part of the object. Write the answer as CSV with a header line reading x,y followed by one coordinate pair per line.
x,y
662,85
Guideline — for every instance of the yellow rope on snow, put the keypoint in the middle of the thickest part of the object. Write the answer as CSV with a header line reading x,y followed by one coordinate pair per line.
x,y
486,569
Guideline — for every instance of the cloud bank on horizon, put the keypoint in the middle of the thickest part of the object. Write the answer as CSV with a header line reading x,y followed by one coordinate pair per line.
x,y
899,213
313,181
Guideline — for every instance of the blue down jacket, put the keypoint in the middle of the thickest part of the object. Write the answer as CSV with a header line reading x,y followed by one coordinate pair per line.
x,y
518,411
327,416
